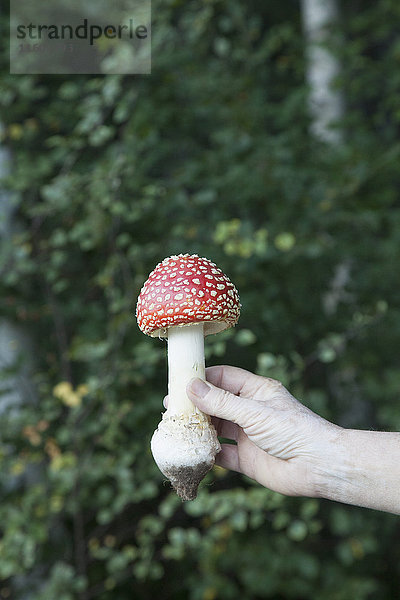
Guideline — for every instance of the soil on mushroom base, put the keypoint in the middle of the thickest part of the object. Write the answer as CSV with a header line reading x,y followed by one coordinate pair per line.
x,y
185,480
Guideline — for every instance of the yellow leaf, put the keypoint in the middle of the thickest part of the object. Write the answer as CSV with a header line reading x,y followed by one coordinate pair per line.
x,y
64,392
82,390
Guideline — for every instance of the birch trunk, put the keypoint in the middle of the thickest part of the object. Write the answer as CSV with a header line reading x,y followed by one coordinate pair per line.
x,y
14,343
326,103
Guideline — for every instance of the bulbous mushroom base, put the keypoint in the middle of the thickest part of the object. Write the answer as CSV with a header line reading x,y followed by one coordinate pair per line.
x,y
186,480
184,448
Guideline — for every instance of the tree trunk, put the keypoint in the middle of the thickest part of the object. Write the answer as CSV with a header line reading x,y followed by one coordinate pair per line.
x,y
14,347
326,103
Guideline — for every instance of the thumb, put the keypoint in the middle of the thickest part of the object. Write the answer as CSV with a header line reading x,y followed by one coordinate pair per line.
x,y
221,403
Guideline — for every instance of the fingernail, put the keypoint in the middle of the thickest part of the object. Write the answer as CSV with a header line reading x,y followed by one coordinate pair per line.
x,y
198,387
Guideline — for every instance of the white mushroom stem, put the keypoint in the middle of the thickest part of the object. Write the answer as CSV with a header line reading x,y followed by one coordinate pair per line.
x,y
185,361
185,443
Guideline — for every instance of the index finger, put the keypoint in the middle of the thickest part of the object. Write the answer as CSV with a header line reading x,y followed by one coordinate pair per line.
x,y
238,381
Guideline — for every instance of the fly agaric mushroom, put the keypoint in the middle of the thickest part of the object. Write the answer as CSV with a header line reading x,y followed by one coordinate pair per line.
x,y
184,299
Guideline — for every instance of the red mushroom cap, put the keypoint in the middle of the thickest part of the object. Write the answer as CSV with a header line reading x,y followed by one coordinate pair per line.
x,y
183,290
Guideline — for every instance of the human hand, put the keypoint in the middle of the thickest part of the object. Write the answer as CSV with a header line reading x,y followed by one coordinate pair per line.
x,y
279,442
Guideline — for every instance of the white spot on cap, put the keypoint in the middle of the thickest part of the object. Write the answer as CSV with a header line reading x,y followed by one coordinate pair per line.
x,y
196,281
178,297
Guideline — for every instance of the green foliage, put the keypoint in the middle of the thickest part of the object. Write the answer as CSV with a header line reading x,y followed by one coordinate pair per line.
x,y
210,154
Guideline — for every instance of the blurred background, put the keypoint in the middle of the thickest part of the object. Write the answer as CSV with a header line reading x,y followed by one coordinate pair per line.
x,y
277,159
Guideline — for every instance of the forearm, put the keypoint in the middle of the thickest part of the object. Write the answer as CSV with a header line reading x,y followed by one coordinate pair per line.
x,y
364,469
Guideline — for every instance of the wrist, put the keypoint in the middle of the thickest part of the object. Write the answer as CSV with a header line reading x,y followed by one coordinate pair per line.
x,y
330,473
361,468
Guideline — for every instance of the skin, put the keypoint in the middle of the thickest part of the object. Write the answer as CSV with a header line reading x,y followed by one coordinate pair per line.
x,y
286,447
